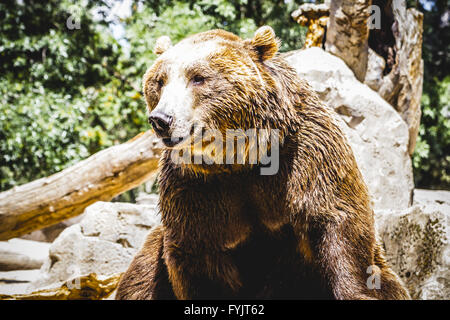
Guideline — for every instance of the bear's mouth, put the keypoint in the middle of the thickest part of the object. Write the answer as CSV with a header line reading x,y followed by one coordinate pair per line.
x,y
173,141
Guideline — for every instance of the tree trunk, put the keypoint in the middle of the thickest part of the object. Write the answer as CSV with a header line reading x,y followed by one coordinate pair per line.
x,y
101,177
348,33
395,62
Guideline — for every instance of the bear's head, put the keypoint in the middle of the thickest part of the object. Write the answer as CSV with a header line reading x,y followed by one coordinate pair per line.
x,y
216,81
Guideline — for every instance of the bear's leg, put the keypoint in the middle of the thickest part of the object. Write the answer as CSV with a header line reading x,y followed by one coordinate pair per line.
x,y
147,277
390,285
350,261
342,255
201,276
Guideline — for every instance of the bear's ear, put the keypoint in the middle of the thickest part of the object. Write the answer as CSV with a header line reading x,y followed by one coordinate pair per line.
x,y
162,44
265,42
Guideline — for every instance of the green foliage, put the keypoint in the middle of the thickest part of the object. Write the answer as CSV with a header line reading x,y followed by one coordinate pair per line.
x,y
62,97
37,133
37,47
431,159
144,27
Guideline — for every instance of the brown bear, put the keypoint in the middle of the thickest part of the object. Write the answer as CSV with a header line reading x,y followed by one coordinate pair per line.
x,y
229,231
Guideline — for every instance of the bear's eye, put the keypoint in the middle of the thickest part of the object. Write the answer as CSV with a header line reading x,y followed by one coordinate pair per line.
x,y
198,80
160,83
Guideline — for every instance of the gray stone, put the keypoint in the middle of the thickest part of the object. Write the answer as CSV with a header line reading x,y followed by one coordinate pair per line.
x,y
431,197
49,234
104,242
378,135
147,198
416,242
20,254
374,75
16,282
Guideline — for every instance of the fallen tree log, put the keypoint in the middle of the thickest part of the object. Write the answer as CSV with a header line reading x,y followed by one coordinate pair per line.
x,y
86,287
101,177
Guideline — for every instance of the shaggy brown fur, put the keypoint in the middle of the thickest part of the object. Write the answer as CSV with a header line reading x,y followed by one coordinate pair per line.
x,y
227,232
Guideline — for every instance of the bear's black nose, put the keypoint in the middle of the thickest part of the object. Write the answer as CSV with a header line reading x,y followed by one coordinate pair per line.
x,y
161,123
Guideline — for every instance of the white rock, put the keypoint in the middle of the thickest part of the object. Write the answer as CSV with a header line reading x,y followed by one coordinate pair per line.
x,y
49,234
20,254
378,135
375,68
17,282
147,198
431,197
104,242
416,242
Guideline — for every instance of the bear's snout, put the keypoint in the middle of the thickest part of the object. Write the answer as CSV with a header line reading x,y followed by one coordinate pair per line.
x,y
161,123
